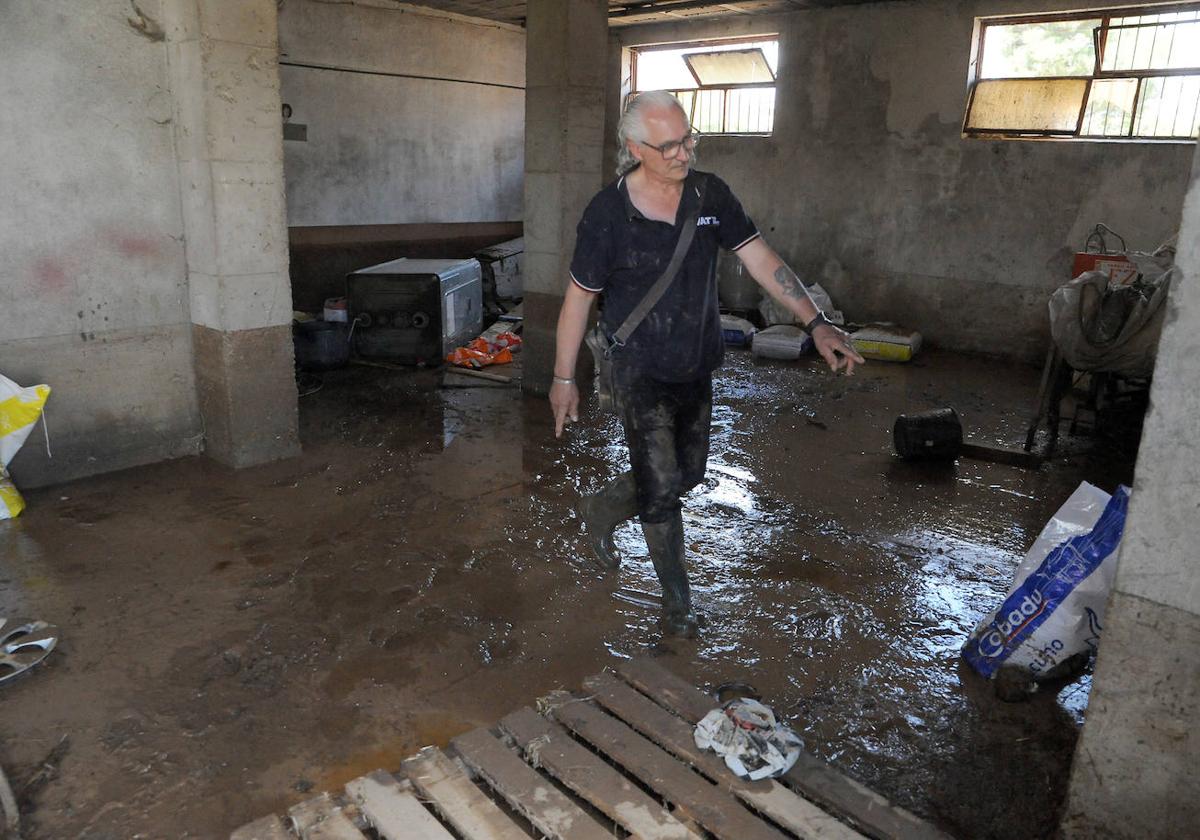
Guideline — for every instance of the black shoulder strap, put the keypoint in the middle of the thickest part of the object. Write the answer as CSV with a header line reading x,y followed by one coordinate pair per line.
x,y
660,285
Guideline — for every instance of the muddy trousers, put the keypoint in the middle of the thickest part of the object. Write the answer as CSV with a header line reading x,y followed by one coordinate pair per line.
x,y
667,431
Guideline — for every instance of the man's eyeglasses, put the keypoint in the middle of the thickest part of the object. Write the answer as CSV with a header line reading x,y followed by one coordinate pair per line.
x,y
671,148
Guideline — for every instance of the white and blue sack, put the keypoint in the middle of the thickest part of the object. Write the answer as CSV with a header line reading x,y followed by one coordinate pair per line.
x,y
1055,608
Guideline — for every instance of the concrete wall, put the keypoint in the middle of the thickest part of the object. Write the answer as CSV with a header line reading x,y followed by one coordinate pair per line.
x,y
564,147
229,144
962,239
93,285
391,149
1137,765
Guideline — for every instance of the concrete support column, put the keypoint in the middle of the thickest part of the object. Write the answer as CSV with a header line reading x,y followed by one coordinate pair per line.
x,y
224,75
1137,766
565,65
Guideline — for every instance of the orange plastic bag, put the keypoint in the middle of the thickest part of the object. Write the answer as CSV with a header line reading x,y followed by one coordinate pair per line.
x,y
481,353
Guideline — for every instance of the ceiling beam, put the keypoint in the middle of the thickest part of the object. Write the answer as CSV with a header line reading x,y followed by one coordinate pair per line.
x,y
649,7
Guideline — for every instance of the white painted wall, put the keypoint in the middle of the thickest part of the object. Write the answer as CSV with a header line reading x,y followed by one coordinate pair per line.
x,y
388,150
93,286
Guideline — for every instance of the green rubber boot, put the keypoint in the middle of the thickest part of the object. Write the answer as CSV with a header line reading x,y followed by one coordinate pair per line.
x,y
665,541
602,512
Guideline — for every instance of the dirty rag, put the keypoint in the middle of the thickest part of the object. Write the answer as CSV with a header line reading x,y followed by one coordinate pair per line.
x,y
745,733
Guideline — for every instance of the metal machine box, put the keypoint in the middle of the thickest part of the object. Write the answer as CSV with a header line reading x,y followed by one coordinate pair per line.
x,y
502,269
415,311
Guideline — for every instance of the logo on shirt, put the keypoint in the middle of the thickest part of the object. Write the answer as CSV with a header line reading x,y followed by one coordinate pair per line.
x,y
707,220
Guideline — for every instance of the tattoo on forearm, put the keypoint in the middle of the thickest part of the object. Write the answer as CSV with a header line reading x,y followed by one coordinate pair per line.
x,y
792,287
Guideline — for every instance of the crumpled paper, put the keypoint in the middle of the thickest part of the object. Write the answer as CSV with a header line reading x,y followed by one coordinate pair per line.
x,y
746,734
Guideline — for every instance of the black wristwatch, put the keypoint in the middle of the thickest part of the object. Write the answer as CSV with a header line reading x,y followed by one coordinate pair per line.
x,y
816,322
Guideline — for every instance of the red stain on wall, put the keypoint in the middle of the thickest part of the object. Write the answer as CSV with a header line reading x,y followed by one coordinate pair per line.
x,y
136,246
55,273
50,274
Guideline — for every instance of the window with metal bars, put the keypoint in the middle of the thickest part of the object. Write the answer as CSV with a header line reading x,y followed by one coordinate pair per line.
x,y
727,87
1127,73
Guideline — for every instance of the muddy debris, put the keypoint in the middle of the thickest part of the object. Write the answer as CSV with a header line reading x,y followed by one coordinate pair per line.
x,y
427,576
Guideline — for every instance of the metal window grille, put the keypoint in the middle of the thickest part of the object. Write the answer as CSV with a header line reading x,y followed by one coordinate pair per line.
x,y
1136,77
725,107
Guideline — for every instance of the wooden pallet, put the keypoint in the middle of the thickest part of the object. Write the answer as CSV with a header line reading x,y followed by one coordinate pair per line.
x,y
617,760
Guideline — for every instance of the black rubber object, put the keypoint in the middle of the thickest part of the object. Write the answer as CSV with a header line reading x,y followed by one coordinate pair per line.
x,y
929,436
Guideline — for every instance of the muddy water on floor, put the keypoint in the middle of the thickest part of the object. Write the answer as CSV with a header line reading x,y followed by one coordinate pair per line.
x,y
235,641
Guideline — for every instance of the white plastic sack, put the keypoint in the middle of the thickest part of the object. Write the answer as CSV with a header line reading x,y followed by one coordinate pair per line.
x,y
774,313
20,409
737,331
781,341
1055,608
1105,326
745,733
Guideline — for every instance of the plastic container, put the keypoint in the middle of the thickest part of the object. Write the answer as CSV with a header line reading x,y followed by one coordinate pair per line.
x,y
736,289
929,436
321,345
781,342
773,312
737,331
336,310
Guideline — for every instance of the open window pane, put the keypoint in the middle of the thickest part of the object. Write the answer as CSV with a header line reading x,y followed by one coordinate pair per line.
x,y
1137,68
732,67
727,87
1027,105
1052,48
1169,107
1110,108
662,70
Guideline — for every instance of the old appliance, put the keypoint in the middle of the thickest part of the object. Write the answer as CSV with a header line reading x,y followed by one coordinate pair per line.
x,y
415,311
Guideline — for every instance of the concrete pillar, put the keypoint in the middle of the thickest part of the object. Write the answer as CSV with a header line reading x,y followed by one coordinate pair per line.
x,y
223,57
565,65
1137,765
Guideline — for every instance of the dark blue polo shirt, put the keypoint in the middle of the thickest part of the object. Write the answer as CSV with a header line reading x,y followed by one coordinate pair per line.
x,y
620,253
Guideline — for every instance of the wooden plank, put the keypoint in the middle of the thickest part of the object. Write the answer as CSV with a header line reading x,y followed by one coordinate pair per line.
x,y
674,735
532,796
445,786
320,818
392,810
1002,455
711,805
811,776
268,828
478,374
589,777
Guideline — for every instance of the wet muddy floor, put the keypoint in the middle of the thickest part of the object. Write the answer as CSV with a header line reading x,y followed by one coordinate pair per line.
x,y
233,642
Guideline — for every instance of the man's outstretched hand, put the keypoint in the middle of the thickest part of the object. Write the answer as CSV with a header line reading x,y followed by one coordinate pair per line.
x,y
835,348
564,401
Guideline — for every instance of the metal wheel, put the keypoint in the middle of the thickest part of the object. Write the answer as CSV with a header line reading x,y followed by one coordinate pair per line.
x,y
24,644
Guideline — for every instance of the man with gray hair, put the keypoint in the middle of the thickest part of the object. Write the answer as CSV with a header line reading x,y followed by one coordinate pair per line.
x,y
663,372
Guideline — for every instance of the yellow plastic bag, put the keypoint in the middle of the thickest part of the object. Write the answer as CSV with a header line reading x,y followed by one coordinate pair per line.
x,y
20,409
11,503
